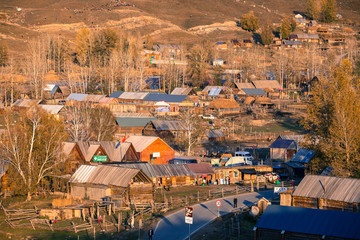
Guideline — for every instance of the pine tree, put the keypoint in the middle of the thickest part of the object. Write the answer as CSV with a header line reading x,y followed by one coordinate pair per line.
x,y
285,29
267,34
249,22
3,53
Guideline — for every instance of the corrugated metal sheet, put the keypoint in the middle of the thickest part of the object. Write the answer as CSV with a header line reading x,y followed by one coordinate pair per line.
x,y
318,222
254,91
303,156
104,175
93,98
141,142
132,115
215,92
165,98
207,89
167,125
282,143
181,91
106,100
215,133
52,109
172,170
337,188
200,168
133,95
271,84
133,121
82,174
76,97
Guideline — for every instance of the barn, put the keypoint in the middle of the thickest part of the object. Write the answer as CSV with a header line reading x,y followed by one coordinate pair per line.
x,y
99,182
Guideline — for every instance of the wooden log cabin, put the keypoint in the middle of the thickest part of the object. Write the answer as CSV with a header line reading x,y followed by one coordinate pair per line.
x,y
98,182
327,192
241,173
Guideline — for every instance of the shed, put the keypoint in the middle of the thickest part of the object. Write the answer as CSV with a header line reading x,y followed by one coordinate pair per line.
x,y
327,192
202,170
183,91
132,125
152,149
298,163
282,149
283,222
98,182
224,106
215,135
23,104
165,128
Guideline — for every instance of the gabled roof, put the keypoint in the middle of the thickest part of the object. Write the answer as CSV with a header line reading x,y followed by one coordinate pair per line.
x,y
182,91
145,167
168,125
141,142
26,103
207,89
281,143
116,94
215,92
104,175
52,109
172,170
133,121
215,133
254,91
297,138
303,156
95,98
88,149
76,97
165,98
244,85
272,84
68,147
116,151
331,188
329,223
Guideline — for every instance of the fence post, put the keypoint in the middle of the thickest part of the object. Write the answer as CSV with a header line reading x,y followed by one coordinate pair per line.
x,y
209,194
252,186
171,201
119,221
198,196
109,209
222,192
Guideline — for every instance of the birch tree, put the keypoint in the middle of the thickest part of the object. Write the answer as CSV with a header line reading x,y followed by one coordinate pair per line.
x,y
31,145
193,128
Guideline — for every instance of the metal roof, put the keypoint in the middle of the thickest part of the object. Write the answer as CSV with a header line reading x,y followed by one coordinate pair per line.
x,y
215,133
133,95
167,125
67,147
116,94
329,223
115,150
93,98
104,175
215,91
165,98
172,170
207,89
254,91
327,187
145,167
133,121
303,156
283,143
76,97
52,109
287,42
141,142
26,103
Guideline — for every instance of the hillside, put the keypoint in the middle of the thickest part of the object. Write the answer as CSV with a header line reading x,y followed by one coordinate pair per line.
x,y
174,21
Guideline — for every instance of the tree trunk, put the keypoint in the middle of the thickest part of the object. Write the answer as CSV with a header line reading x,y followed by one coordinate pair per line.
x,y
28,198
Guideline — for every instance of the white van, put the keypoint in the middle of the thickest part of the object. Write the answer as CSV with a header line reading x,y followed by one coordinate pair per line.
x,y
240,158
244,154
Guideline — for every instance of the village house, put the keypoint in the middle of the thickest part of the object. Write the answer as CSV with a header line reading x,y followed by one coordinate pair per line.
x,y
246,43
201,170
235,43
304,37
152,149
251,92
282,150
131,123
213,92
58,90
283,222
55,110
74,98
244,173
215,135
25,104
99,182
221,46
165,128
267,85
222,107
297,166
292,44
325,192
170,103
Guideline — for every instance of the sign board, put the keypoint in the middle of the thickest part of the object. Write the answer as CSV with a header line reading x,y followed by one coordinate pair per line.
x,y
280,189
156,154
100,158
189,215
218,203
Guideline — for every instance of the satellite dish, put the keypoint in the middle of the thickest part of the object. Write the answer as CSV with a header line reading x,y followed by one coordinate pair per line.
x,y
254,211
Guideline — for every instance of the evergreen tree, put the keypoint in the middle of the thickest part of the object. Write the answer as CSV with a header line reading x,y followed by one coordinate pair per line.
x,y
285,28
149,43
312,9
267,34
3,53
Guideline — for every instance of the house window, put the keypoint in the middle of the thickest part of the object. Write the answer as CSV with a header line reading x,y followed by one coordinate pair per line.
x,y
235,174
